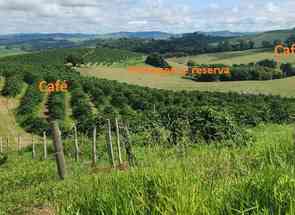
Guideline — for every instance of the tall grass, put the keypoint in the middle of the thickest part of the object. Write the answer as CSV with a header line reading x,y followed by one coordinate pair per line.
x,y
203,179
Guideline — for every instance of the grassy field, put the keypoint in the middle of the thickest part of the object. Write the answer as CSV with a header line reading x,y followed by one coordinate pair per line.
x,y
229,58
284,87
8,125
269,36
7,52
202,179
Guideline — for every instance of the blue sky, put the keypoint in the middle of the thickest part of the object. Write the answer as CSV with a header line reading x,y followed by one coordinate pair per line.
x,y
178,16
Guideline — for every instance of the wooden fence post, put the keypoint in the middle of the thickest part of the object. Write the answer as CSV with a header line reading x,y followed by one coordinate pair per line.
x,y
94,156
128,146
19,143
76,144
45,145
59,153
33,148
7,144
1,144
118,142
109,142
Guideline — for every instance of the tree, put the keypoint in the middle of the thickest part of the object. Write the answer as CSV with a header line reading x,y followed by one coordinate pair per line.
x,y
266,44
287,69
267,63
74,60
191,63
290,40
277,42
251,44
157,61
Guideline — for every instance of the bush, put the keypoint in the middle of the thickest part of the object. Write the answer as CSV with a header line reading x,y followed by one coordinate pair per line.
x,y
267,63
157,61
211,125
56,105
74,60
3,158
13,86
288,70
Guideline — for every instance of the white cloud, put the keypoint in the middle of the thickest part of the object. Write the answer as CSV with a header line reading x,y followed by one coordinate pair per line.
x,y
271,7
138,22
135,15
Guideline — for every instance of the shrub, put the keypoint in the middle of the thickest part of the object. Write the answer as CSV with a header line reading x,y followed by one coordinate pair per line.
x,y
13,86
267,63
3,158
157,61
211,125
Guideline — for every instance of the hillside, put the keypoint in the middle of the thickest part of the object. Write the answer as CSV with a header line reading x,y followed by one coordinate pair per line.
x,y
90,56
269,36
204,179
141,150
284,87
36,42
140,35
8,126
236,57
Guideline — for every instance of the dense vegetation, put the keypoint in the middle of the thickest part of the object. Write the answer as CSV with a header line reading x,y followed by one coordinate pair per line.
x,y
193,177
209,179
187,44
157,61
176,112
13,85
79,55
262,70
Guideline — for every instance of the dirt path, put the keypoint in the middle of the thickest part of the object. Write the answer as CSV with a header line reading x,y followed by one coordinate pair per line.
x,y
8,125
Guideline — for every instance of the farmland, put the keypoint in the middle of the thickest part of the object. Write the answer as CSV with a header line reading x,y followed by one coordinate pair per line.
x,y
283,87
5,52
208,179
238,57
196,152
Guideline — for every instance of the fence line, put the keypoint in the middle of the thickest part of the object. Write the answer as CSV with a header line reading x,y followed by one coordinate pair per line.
x,y
41,146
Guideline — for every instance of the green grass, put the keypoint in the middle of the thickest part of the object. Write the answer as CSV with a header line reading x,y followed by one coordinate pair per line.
x,y
283,87
8,125
229,58
8,52
211,179
268,36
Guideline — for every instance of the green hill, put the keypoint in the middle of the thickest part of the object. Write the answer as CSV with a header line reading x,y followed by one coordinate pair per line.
x,y
284,87
90,55
269,36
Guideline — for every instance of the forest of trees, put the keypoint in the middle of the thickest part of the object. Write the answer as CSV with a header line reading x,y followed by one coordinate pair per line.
x,y
262,70
188,44
288,42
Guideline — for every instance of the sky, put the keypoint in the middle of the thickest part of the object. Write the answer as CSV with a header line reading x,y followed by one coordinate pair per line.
x,y
178,16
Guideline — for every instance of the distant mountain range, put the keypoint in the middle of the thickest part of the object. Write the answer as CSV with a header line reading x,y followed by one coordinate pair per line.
x,y
38,41
140,35
227,33
11,39
163,35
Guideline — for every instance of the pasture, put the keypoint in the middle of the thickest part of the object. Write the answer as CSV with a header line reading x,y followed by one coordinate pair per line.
x,y
201,179
230,58
283,87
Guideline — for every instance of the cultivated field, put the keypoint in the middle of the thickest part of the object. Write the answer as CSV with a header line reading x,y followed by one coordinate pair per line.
x,y
8,124
6,52
229,58
283,87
